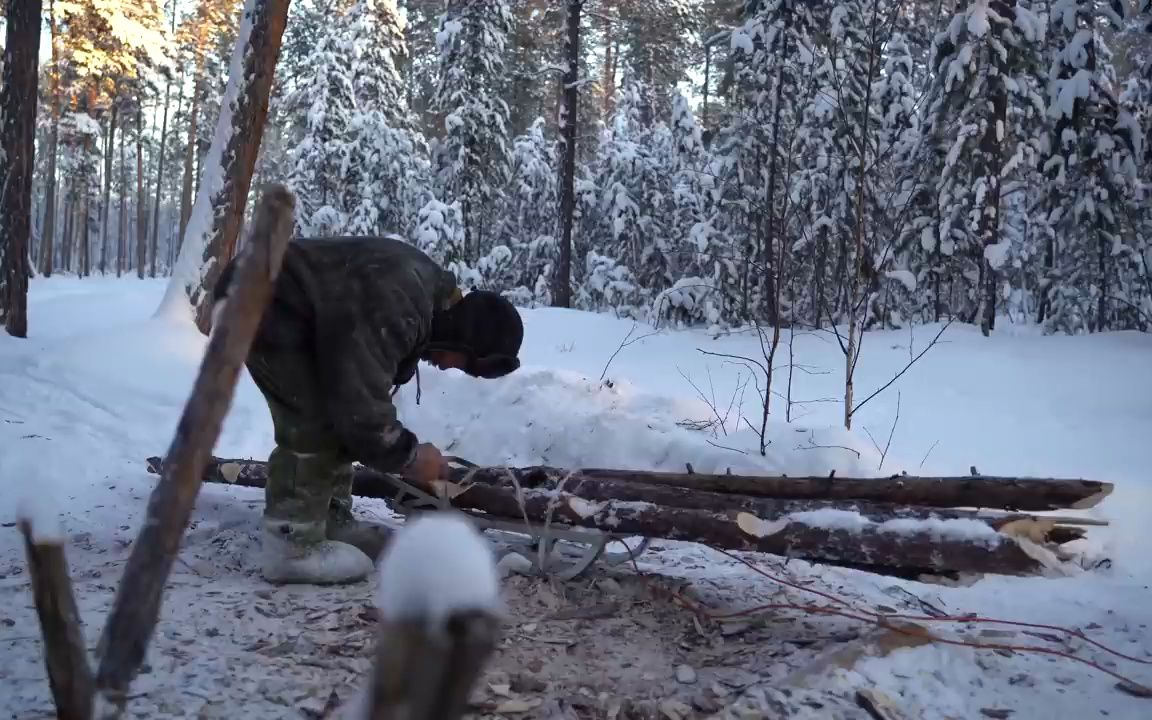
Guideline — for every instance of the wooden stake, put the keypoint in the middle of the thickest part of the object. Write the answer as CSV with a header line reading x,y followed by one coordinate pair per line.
x,y
137,606
65,652
425,670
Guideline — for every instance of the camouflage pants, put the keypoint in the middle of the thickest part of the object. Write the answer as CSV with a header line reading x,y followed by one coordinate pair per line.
x,y
309,471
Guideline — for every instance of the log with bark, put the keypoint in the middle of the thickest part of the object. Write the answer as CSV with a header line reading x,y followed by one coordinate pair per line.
x,y
65,652
850,533
136,608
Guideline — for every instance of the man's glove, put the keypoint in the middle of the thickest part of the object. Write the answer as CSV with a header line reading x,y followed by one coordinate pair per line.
x,y
427,465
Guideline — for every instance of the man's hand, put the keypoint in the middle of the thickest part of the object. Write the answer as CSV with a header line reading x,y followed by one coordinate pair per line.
x,y
427,466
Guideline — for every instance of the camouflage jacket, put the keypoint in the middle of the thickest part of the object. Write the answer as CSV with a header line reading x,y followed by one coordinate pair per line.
x,y
371,302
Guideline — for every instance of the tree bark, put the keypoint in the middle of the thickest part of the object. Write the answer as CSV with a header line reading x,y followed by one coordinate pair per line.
x,y
189,158
992,156
18,145
122,224
105,204
569,120
218,212
65,651
138,598
155,242
69,223
651,509
1006,493
141,200
49,235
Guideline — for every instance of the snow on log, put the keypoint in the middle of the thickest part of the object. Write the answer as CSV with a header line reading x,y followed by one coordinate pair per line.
x,y
925,540
438,597
65,651
138,598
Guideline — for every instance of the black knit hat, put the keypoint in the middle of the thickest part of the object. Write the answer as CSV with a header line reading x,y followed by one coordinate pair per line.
x,y
485,326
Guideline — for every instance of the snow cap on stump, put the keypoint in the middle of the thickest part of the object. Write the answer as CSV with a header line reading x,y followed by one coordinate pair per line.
x,y
438,564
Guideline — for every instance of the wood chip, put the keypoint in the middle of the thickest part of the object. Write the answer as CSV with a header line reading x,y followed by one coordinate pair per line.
x,y
996,713
879,705
685,674
516,706
591,612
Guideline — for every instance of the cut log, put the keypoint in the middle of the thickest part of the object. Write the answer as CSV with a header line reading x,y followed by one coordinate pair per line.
x,y
136,609
978,491
836,540
65,652
367,483
1007,493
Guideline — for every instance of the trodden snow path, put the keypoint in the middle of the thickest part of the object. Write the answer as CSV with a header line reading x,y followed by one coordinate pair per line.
x,y
99,386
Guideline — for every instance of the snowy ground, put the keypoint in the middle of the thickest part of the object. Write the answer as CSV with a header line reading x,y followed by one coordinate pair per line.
x,y
99,386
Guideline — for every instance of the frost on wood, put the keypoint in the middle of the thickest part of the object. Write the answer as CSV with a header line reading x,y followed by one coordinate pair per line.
x,y
437,565
214,226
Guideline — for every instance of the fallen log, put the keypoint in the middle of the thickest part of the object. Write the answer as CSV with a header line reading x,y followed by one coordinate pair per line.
x,y
366,483
827,534
976,491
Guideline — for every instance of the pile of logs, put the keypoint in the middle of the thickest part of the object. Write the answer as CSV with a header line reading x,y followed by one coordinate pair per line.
x,y
899,525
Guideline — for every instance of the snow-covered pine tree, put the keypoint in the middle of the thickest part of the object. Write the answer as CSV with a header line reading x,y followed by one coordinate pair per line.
x,y
980,71
324,97
698,253
440,234
471,160
1092,167
529,215
388,175
771,59
632,175
838,240
897,132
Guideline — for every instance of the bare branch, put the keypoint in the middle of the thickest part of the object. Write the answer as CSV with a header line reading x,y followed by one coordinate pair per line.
x,y
903,370
628,340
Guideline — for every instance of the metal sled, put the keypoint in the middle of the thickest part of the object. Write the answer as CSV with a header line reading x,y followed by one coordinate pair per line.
x,y
556,551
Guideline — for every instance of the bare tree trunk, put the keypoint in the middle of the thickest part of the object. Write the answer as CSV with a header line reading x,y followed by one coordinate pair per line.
x,y
105,204
707,86
141,235
189,159
48,236
160,176
218,213
992,150
86,226
18,142
66,239
122,234
569,120
608,71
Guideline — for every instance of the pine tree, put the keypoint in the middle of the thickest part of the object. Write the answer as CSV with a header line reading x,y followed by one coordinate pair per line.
x,y
325,98
387,178
1092,167
981,64
471,160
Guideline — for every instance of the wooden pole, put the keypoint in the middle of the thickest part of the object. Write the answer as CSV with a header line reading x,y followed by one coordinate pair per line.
x,y
137,605
65,652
